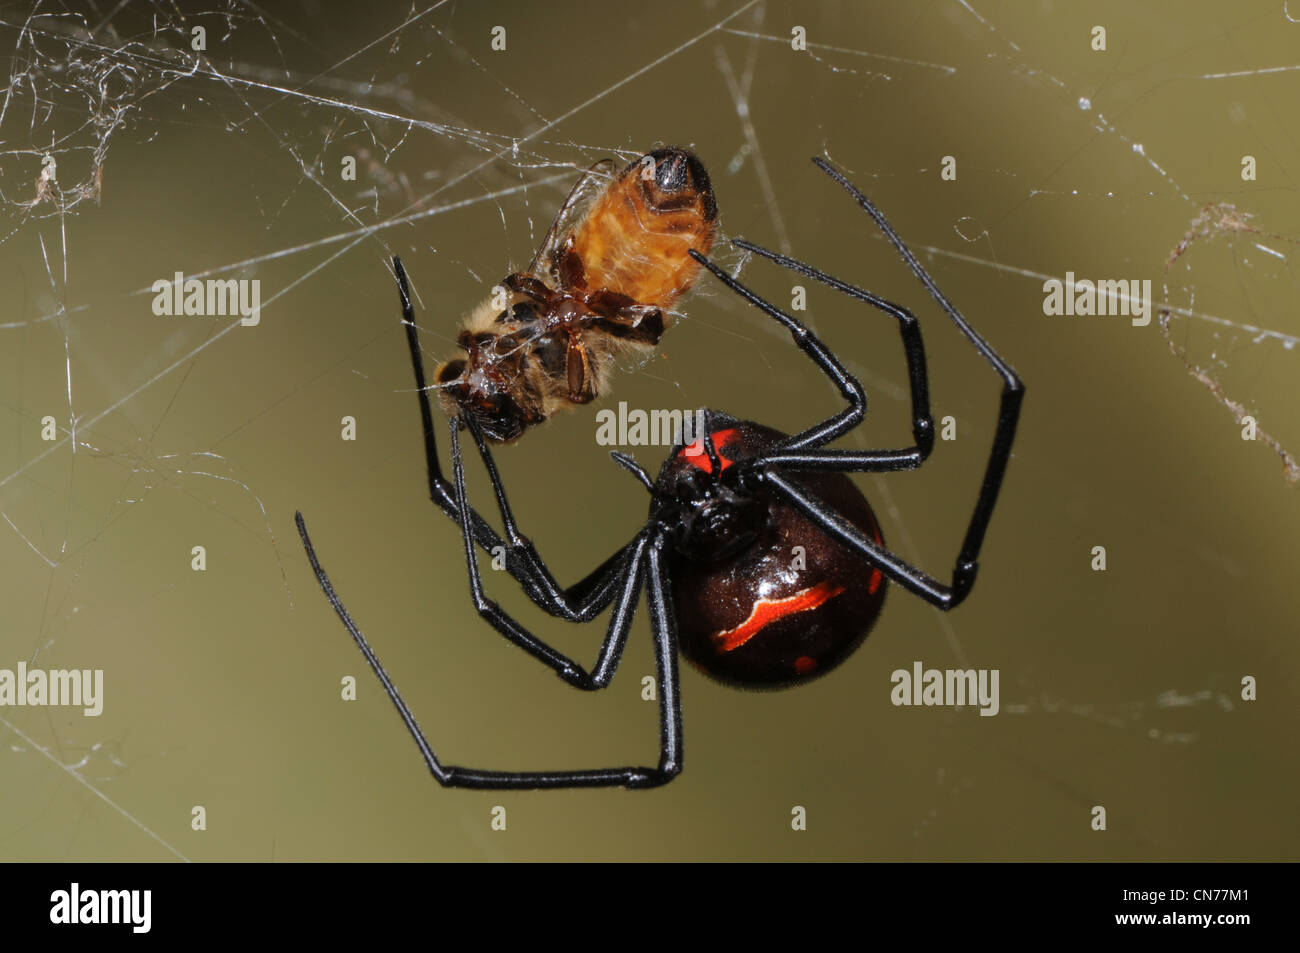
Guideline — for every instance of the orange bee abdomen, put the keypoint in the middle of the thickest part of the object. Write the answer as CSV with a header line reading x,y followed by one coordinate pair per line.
x,y
635,239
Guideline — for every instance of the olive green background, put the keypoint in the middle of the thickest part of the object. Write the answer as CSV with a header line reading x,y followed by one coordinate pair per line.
x,y
1118,688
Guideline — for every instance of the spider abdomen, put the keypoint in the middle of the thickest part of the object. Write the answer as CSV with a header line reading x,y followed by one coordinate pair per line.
x,y
790,604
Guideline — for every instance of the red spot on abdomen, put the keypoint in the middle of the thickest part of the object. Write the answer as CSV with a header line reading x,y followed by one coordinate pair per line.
x,y
805,664
767,611
696,454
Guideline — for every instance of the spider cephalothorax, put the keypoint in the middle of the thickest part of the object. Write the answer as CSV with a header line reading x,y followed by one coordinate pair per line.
x,y
712,515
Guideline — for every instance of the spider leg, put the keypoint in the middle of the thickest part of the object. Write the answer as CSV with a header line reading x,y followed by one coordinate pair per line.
x,y
706,439
913,580
815,458
914,351
1013,391
632,777
1002,367
664,627
522,561
581,602
663,624
788,454
611,649
836,425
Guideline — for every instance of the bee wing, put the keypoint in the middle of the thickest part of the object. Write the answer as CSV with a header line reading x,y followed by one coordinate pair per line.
x,y
594,181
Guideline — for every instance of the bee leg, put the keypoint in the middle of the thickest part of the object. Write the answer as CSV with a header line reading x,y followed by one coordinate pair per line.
x,y
582,379
623,318
528,286
569,268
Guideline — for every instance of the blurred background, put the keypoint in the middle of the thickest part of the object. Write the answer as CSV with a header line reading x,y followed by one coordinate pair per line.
x,y
1120,688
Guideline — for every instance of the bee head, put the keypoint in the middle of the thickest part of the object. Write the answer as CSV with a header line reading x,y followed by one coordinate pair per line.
x,y
498,416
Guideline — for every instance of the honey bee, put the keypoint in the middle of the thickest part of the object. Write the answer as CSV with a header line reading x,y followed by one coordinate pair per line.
x,y
600,286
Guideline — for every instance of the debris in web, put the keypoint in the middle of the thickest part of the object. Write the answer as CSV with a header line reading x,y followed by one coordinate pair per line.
x,y
1225,221
73,84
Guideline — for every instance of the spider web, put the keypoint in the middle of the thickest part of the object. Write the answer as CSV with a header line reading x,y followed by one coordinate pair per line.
x,y
127,154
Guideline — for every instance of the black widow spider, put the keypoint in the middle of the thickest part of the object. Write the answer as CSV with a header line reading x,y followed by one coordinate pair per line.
x,y
714,554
